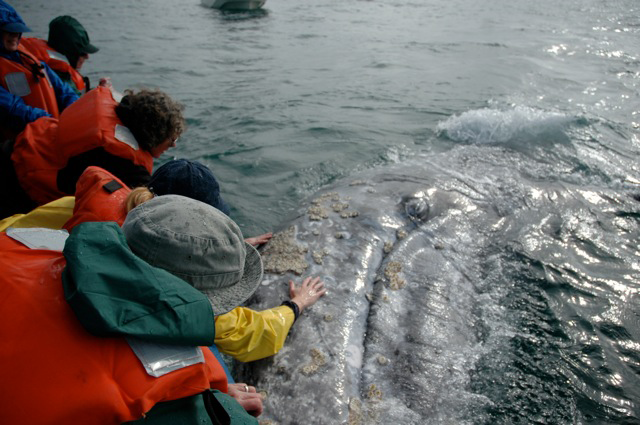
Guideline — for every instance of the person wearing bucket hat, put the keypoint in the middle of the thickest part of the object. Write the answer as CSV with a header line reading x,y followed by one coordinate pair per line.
x,y
106,316
242,333
203,247
65,51
29,89
245,334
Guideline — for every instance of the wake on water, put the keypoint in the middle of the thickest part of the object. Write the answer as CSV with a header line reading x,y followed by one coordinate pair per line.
x,y
465,286
515,128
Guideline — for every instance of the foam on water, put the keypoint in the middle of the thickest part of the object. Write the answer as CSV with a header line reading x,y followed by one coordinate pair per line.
x,y
516,127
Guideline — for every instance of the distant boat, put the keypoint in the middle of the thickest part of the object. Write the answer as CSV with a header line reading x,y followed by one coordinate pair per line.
x,y
234,4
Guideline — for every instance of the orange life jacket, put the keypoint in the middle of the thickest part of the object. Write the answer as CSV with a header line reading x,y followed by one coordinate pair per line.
x,y
100,196
46,145
56,60
55,372
38,91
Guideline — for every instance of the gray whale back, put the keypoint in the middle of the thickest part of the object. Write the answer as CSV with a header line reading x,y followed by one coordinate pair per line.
x,y
491,282
394,338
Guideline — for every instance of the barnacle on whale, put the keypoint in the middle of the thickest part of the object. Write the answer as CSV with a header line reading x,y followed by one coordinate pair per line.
x,y
283,254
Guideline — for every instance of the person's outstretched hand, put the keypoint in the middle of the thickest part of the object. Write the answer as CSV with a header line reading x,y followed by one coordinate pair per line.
x,y
248,398
259,240
308,293
105,82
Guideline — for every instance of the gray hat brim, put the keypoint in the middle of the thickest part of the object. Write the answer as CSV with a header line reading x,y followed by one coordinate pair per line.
x,y
226,299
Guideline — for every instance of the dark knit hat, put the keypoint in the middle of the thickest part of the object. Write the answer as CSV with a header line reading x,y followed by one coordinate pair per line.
x,y
188,178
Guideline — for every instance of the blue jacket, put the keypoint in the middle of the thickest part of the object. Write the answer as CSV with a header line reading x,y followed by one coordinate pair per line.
x,y
13,111
16,113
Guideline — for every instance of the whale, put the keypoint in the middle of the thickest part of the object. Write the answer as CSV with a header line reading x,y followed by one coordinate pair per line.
x,y
397,325
459,280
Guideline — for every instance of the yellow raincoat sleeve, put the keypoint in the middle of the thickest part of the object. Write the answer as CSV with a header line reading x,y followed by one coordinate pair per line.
x,y
52,215
249,335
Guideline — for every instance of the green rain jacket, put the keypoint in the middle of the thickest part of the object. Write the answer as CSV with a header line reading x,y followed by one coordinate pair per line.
x,y
113,292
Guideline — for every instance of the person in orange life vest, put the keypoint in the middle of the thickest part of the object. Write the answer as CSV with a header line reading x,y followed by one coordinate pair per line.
x,y
242,333
29,89
100,196
201,245
95,307
122,137
245,334
65,51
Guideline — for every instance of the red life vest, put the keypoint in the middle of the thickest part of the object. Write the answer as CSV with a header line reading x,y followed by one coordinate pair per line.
x,y
55,372
100,196
45,146
56,60
19,79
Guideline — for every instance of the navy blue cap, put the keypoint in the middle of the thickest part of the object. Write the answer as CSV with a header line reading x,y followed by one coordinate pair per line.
x,y
188,178
16,27
10,20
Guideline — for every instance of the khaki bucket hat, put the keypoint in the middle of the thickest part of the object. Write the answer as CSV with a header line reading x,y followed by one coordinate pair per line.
x,y
197,243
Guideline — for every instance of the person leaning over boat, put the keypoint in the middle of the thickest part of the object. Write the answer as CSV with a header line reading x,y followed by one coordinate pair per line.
x,y
65,51
123,137
245,334
29,89
101,307
242,333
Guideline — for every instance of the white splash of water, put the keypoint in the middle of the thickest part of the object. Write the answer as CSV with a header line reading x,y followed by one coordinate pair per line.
x,y
520,125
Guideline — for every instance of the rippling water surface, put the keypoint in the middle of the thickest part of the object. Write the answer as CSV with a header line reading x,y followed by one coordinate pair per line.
x,y
530,110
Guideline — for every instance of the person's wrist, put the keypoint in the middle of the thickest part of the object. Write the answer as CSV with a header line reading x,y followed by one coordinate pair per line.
x,y
293,306
301,305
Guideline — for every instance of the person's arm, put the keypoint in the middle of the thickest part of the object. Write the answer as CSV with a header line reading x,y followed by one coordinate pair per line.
x,y
17,113
65,95
249,335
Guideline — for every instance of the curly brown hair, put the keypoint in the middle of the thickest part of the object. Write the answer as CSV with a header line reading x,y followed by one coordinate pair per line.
x,y
152,116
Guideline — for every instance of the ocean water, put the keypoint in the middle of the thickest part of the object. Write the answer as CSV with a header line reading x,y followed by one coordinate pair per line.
x,y
529,109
